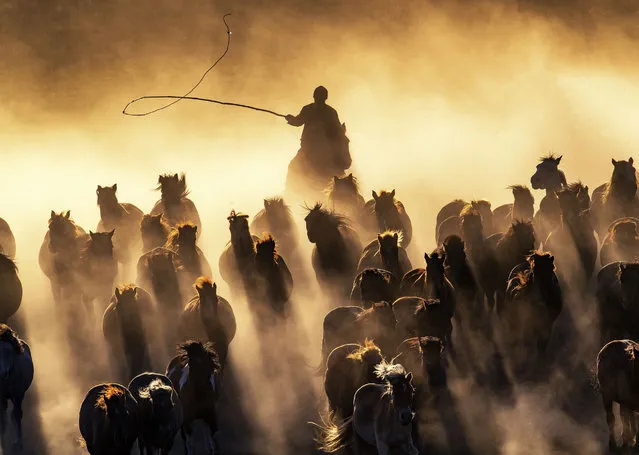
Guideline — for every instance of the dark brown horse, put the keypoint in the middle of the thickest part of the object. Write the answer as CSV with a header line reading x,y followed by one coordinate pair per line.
x,y
237,261
344,197
174,203
124,218
109,420
374,285
418,317
7,240
452,225
273,281
59,256
390,215
159,411
388,253
423,357
523,209
209,317
97,271
191,259
10,288
336,252
349,367
548,177
154,231
621,243
127,326
195,373
618,301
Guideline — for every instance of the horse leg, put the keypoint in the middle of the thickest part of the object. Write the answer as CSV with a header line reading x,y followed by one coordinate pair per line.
x,y
211,421
17,421
627,436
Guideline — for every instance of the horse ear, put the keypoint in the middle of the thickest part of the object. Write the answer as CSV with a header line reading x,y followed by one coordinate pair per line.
x,y
91,233
176,176
194,228
426,256
379,238
396,236
558,160
614,162
52,213
350,176
335,179
114,187
215,288
68,214
117,292
111,233
409,377
392,193
375,195
630,160
552,258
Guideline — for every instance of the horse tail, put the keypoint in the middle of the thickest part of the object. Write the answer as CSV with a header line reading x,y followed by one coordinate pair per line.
x,y
331,436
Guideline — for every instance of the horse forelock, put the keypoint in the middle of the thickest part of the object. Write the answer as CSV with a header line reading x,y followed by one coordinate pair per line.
x,y
389,371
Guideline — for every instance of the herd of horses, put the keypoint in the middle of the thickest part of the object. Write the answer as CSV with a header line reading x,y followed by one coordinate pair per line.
x,y
483,306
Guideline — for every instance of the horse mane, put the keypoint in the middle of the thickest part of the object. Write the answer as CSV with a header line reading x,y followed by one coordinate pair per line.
x,y
511,234
548,157
8,335
8,264
334,218
388,371
173,239
360,353
191,348
279,200
390,233
109,392
157,385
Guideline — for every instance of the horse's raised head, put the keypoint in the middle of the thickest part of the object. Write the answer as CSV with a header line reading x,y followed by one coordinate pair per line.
x,y
629,280
431,349
548,176
321,222
524,234
172,187
625,232
107,194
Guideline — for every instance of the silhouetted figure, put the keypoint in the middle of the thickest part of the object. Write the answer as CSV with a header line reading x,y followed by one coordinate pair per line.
x,y
324,148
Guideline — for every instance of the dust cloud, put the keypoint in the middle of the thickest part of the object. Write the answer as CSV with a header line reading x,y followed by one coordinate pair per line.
x,y
441,100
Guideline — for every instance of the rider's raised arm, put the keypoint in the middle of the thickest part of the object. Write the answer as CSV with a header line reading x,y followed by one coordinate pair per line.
x,y
299,119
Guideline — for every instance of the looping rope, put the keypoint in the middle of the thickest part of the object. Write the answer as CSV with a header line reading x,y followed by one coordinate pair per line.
x,y
186,96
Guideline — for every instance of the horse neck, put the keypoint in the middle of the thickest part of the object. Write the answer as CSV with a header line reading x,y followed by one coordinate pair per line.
x,y
243,248
621,190
110,212
390,261
522,211
389,219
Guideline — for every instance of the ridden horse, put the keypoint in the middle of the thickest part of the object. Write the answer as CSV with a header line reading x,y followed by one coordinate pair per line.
x,y
349,367
195,373
59,255
16,376
109,420
159,411
209,317
382,417
174,203
7,240
336,251
10,288
124,218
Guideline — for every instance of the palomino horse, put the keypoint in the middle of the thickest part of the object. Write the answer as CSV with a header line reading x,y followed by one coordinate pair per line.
x,y
382,417
16,375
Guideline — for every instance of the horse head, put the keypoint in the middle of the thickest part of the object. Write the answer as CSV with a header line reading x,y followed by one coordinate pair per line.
x,y
374,286
524,235
238,225
431,349
322,223
186,236
202,364
172,187
384,202
101,243
107,195
453,247
402,392
435,270
548,176
624,178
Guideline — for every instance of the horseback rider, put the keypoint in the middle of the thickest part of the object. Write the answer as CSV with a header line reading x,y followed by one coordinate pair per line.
x,y
319,119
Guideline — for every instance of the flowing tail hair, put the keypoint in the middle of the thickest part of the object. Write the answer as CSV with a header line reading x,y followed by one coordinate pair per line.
x,y
331,437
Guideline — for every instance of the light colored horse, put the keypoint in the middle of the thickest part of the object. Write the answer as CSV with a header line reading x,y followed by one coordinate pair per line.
x,y
382,418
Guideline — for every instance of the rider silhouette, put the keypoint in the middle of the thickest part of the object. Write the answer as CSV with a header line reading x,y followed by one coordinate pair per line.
x,y
318,118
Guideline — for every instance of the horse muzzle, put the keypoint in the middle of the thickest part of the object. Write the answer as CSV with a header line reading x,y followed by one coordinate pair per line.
x,y
406,417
